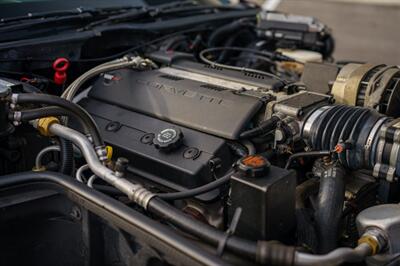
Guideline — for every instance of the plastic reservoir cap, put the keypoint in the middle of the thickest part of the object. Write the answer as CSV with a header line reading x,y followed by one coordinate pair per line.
x,y
168,139
254,166
303,56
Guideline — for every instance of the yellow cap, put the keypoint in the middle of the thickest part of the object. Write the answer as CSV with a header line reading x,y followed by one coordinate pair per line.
x,y
109,151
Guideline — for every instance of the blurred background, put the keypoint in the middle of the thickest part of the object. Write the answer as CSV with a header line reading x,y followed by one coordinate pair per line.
x,y
364,30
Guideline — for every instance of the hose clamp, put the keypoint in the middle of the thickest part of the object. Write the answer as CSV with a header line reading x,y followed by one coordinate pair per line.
x,y
17,116
14,98
101,152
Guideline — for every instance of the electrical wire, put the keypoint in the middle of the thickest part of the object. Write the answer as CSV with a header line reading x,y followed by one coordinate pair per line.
x,y
236,68
266,54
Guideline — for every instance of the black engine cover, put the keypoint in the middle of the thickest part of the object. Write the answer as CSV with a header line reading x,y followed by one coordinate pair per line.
x,y
191,164
208,108
131,108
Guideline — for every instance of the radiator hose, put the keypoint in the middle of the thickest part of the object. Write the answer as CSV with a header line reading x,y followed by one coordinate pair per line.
x,y
329,207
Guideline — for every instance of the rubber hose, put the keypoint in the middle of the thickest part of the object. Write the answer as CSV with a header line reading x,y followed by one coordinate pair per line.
x,y
203,231
306,154
306,232
251,149
57,101
329,208
304,191
230,42
28,115
176,195
336,257
263,128
197,191
238,149
67,157
277,254
5,127
221,33
262,251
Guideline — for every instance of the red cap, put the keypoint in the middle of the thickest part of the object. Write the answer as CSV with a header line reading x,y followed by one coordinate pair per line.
x,y
60,67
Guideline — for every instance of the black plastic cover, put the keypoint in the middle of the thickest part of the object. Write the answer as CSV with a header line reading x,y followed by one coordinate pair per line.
x,y
212,109
192,164
318,76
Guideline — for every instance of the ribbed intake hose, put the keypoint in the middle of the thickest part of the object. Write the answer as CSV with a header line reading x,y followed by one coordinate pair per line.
x,y
362,138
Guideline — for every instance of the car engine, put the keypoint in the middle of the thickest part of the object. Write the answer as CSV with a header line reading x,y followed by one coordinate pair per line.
x,y
229,137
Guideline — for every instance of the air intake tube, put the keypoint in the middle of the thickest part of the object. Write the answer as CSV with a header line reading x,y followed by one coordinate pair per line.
x,y
362,138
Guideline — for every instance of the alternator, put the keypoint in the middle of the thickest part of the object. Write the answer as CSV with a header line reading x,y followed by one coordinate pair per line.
x,y
368,85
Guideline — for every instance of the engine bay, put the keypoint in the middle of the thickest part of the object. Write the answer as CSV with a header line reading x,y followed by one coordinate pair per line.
x,y
197,135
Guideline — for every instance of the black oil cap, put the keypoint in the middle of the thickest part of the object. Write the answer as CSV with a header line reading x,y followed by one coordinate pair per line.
x,y
168,139
254,166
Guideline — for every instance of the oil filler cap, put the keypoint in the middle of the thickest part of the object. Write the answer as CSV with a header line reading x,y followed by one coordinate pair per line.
x,y
168,139
254,166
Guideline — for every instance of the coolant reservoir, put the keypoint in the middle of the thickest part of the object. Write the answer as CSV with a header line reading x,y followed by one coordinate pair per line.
x,y
301,56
